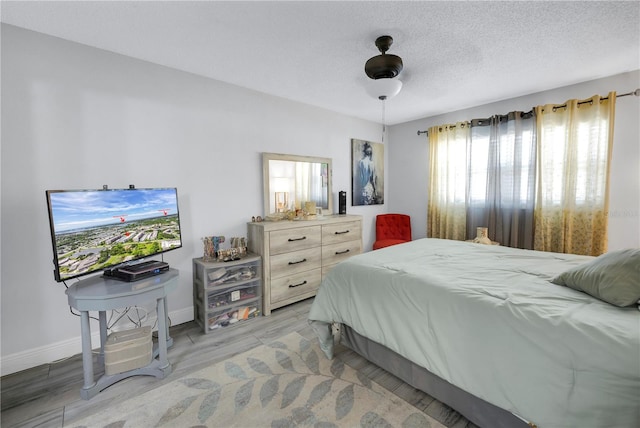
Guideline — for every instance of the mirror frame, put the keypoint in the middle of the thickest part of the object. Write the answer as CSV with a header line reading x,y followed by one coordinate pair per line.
x,y
266,157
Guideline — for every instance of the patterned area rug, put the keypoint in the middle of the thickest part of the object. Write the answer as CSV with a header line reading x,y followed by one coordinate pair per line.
x,y
288,383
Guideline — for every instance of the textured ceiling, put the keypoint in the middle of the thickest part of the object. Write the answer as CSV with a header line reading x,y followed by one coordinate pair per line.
x,y
456,54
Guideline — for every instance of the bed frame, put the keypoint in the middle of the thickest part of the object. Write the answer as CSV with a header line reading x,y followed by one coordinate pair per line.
x,y
473,408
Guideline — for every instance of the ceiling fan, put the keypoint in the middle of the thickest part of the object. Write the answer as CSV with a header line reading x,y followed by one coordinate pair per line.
x,y
383,69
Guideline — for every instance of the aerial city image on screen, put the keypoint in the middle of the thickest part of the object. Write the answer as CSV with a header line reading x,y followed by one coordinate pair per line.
x,y
98,229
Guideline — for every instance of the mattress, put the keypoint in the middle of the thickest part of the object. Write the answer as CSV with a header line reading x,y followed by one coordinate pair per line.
x,y
488,320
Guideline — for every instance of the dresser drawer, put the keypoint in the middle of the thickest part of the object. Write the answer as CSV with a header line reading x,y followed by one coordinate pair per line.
x,y
296,262
290,286
341,232
335,253
284,241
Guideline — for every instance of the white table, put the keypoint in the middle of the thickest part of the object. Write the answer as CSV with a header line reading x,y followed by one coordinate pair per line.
x,y
102,294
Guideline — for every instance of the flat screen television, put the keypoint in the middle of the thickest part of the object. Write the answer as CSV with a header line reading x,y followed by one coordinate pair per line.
x,y
92,230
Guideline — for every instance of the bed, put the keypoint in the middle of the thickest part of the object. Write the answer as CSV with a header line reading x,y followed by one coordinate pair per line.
x,y
483,329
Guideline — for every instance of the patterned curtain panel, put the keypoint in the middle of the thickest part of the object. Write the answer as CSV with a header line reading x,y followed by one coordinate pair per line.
x,y
574,152
448,145
501,178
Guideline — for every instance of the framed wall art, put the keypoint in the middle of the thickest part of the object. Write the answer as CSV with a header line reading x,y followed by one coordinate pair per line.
x,y
367,173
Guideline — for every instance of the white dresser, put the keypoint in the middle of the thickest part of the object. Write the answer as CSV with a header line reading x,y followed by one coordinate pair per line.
x,y
297,254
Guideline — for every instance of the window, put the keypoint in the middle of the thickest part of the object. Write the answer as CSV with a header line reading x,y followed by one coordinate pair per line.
x,y
536,180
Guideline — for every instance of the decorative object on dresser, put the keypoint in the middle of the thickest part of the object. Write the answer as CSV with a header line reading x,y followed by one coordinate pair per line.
x,y
342,202
297,255
225,293
211,247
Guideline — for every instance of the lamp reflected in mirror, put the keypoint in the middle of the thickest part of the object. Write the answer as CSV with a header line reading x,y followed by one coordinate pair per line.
x,y
282,202
282,188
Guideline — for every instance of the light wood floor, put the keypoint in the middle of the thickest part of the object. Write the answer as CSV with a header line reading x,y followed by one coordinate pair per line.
x,y
49,395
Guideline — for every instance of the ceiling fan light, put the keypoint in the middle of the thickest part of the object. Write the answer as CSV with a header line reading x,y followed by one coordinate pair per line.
x,y
383,66
383,89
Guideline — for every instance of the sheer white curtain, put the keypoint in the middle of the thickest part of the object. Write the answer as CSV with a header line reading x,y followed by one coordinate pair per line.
x,y
574,153
309,183
448,145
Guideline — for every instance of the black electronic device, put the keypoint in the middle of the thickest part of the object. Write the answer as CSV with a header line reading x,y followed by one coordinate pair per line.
x,y
342,202
96,230
138,271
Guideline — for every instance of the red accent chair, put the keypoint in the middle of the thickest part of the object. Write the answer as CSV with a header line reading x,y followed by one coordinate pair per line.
x,y
392,229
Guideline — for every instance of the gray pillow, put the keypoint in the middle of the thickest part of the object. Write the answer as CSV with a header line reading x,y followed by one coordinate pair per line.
x,y
613,277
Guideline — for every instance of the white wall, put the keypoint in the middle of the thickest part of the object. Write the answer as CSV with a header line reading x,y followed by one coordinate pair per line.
x,y
409,155
78,117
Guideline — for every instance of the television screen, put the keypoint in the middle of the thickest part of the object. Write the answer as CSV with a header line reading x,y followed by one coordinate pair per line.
x,y
92,230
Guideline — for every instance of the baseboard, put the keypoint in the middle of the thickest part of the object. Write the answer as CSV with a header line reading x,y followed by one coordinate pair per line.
x,y
67,348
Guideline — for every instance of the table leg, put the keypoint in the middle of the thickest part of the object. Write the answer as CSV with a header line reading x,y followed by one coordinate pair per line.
x,y
162,333
87,358
166,312
102,316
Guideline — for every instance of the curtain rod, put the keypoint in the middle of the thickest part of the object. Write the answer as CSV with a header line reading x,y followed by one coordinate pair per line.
x,y
636,93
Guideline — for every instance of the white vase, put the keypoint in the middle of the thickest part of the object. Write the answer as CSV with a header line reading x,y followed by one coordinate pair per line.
x,y
482,236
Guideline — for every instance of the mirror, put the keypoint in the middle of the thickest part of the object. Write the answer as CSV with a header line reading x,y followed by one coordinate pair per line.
x,y
290,181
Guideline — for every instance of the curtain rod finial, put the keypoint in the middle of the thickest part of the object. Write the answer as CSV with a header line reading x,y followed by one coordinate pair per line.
x,y
637,92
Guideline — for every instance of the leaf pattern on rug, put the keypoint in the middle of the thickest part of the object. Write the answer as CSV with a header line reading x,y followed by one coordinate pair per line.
x,y
344,402
284,361
301,416
292,391
199,383
209,405
304,345
176,410
337,367
269,390
277,344
364,379
416,420
243,395
304,416
234,370
324,424
319,392
372,419
259,366
312,362
288,383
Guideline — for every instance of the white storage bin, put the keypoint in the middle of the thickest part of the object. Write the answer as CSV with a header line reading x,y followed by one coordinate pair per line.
x,y
127,350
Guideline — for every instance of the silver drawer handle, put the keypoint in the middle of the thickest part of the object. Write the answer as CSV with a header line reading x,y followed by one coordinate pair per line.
x,y
297,239
297,285
299,261
341,233
342,252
